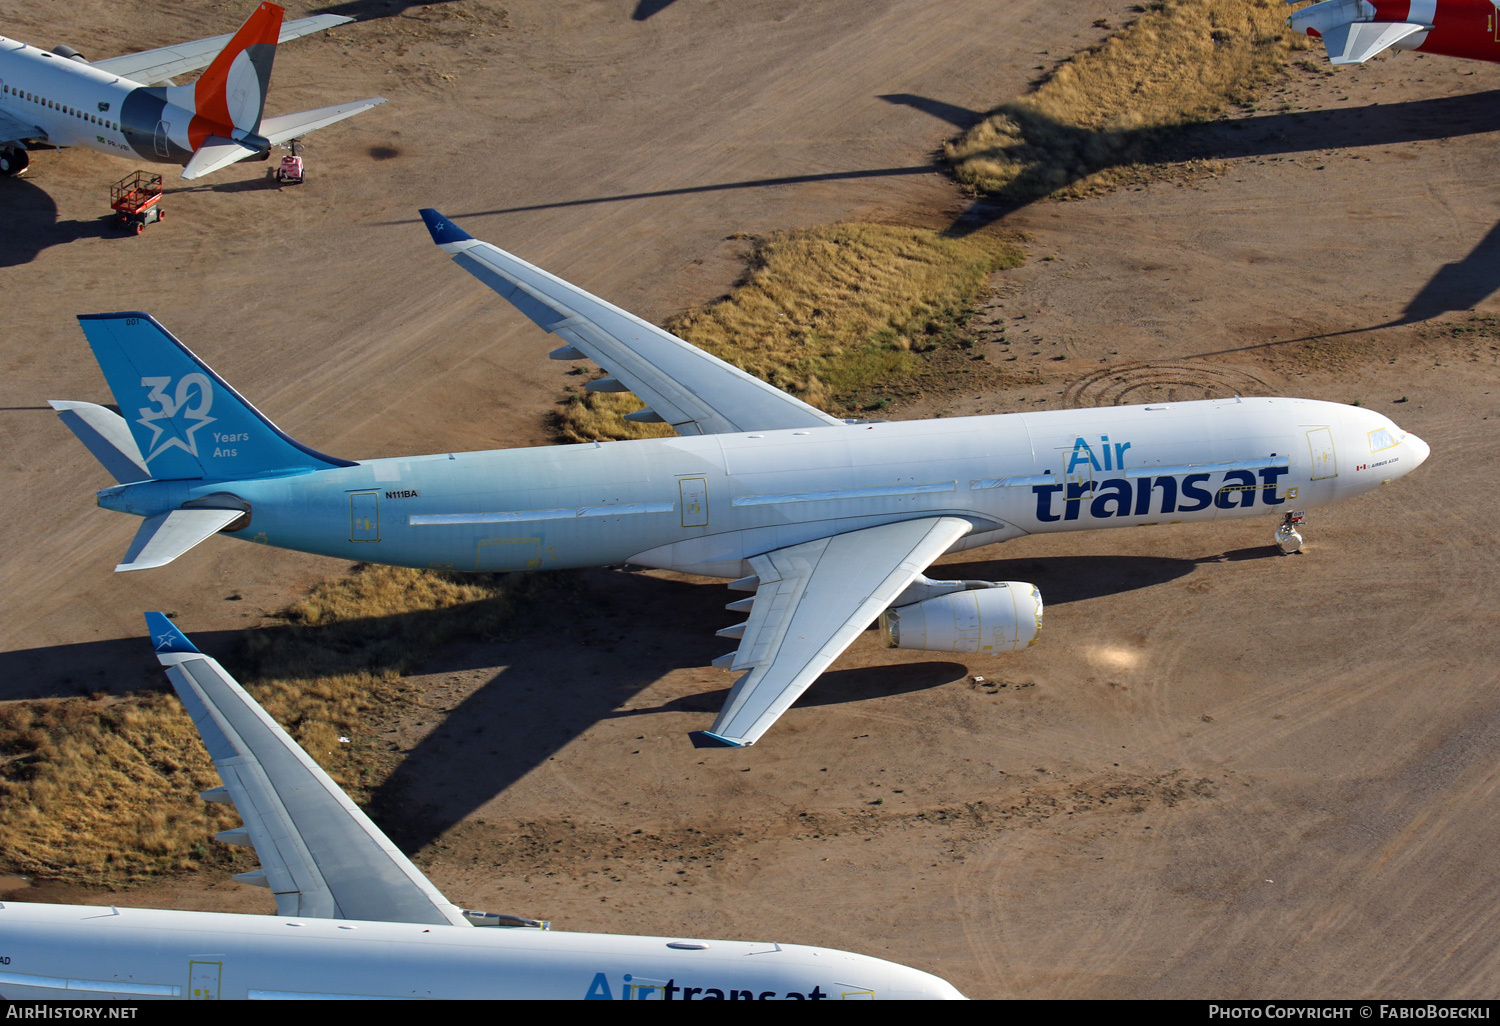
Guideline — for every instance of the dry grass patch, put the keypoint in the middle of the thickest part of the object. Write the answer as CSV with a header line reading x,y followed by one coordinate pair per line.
x,y
100,790
1180,62
104,790
825,313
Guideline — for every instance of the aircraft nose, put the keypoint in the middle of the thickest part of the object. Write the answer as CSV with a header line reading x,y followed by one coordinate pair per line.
x,y
909,983
934,988
1420,450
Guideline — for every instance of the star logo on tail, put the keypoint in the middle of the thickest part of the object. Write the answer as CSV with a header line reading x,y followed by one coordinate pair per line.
x,y
192,398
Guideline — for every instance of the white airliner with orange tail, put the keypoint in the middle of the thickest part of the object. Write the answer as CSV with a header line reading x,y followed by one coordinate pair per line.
x,y
129,107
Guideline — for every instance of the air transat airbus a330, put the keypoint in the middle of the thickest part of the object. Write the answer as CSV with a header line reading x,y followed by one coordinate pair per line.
x,y
355,919
1353,31
827,524
127,106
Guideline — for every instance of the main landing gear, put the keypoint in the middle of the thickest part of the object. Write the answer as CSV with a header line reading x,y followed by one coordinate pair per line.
x,y
13,162
1288,538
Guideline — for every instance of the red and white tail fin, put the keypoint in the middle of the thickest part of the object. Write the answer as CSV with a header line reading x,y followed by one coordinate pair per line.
x,y
230,96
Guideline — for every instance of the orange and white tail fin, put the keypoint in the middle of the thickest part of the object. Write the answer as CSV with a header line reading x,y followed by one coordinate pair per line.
x,y
230,96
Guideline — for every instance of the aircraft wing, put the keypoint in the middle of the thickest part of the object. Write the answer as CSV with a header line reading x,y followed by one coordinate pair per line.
x,y
151,67
13,129
319,854
696,393
811,601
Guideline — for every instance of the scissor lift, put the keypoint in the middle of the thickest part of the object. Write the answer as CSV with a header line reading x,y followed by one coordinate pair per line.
x,y
136,200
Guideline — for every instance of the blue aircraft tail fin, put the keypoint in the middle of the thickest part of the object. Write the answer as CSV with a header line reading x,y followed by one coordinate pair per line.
x,y
187,422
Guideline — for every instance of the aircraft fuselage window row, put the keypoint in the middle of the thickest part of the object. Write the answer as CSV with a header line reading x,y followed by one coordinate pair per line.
x,y
94,119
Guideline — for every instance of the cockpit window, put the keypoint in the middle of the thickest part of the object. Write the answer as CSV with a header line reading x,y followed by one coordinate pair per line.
x,y
1386,438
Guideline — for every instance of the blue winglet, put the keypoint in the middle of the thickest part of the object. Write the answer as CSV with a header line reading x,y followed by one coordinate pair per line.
x,y
443,230
708,739
165,637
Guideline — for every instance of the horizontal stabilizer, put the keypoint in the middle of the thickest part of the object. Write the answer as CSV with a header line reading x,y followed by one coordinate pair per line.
x,y
107,436
215,153
166,536
289,126
1356,42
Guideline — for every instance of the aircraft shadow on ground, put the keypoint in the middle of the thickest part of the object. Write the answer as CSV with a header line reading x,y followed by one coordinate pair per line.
x,y
1458,286
1455,286
116,666
1063,579
568,666
556,691
31,223
836,687
264,183
369,10
122,665
1462,285
958,117
646,8
753,183
1240,555
571,661
1280,134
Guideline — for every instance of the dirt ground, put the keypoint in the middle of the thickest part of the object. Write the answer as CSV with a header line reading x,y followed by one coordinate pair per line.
x,y
1220,773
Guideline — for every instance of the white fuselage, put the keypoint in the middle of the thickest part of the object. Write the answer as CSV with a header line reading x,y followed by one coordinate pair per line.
x,y
62,951
76,104
705,504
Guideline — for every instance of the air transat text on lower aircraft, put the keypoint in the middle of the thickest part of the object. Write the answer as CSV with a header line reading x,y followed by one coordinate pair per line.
x,y
636,989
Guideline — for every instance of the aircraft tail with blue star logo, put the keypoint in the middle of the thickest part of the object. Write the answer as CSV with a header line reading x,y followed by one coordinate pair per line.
x,y
178,422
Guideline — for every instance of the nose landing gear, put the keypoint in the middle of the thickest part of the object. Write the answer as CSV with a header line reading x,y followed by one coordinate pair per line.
x,y
1288,538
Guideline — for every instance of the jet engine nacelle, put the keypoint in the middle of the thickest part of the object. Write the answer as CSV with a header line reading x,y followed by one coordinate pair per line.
x,y
63,50
1000,616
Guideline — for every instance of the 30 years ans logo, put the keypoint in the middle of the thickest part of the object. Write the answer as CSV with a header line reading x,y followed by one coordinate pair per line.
x,y
192,399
